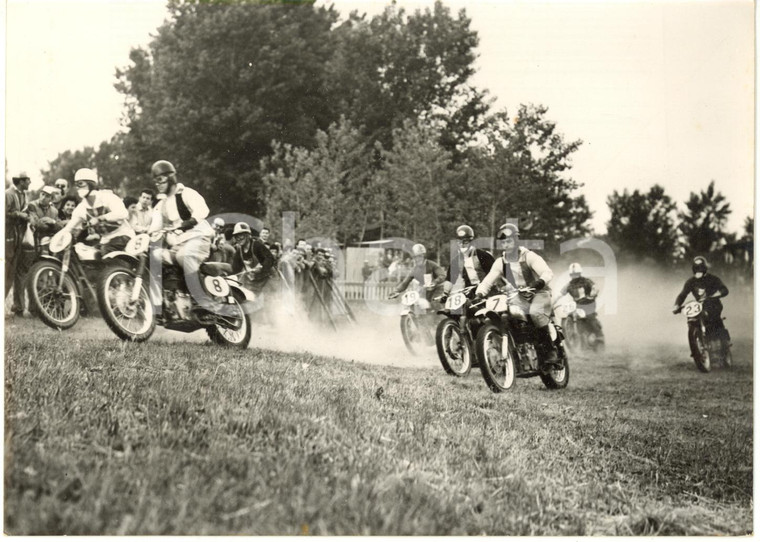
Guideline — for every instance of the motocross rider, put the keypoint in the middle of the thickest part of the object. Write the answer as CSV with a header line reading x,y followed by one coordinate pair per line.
x,y
473,263
707,289
253,256
422,268
184,211
584,292
526,271
102,211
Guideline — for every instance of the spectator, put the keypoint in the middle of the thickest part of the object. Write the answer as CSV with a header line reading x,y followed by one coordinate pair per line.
x,y
16,222
43,216
366,271
142,215
66,209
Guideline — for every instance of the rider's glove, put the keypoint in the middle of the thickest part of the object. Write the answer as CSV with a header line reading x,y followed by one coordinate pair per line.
x,y
676,309
187,224
478,297
537,285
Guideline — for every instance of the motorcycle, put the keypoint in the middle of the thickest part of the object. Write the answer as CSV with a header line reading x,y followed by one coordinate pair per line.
x,y
57,282
455,334
415,320
507,346
582,331
128,311
708,345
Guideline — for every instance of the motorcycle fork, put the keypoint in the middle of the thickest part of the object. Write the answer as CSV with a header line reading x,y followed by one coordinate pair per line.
x,y
65,261
138,278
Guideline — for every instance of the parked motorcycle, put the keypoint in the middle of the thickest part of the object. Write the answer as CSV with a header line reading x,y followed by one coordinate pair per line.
x,y
582,330
455,334
416,319
127,309
708,346
58,281
507,346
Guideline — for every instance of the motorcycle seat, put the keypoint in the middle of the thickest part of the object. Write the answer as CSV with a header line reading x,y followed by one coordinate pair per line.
x,y
216,269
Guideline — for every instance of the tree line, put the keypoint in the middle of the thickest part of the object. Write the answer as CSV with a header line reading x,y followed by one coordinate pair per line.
x,y
366,127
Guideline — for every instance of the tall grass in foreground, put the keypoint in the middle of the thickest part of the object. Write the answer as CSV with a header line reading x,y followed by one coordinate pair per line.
x,y
171,438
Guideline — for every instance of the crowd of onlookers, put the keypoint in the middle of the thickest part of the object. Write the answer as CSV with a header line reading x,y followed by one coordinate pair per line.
x,y
300,270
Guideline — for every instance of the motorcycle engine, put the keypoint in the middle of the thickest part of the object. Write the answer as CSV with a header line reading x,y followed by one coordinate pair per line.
x,y
528,356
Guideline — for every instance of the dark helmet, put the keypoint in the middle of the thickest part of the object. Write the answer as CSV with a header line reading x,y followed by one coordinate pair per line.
x,y
699,265
465,232
162,167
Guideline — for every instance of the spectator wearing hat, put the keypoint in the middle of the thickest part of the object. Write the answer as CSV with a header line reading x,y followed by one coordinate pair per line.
x,y
16,222
43,216
251,255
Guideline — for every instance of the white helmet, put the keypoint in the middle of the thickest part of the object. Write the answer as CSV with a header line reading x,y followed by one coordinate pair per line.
x,y
218,222
241,227
86,174
418,250
575,268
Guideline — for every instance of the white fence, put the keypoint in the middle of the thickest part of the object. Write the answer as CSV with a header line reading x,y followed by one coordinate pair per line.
x,y
358,291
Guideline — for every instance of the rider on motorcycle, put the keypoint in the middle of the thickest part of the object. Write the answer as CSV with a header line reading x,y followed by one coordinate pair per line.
x,y
526,271
707,289
472,264
183,211
101,210
584,292
422,268
251,256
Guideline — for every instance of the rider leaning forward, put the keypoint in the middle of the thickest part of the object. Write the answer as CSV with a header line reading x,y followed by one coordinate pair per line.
x,y
428,273
183,212
584,292
102,211
707,289
526,271
472,264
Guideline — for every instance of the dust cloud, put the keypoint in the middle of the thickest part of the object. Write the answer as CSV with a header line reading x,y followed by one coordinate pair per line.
x,y
373,338
644,301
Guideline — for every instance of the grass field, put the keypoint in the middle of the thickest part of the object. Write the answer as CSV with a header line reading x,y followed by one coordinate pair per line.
x,y
180,437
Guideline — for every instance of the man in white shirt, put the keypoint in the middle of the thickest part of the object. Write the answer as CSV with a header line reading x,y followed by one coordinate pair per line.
x,y
143,215
102,211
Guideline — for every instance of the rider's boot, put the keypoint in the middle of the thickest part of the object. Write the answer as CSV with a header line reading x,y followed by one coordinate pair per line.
x,y
550,351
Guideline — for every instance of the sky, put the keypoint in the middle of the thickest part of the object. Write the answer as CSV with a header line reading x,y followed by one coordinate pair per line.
x,y
659,92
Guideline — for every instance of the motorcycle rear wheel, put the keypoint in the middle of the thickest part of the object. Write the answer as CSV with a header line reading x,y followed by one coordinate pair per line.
x,y
496,366
453,349
134,322
58,309
412,334
699,348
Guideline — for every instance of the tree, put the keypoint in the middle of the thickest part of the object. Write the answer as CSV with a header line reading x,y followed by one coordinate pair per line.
x,y
330,187
393,68
703,223
415,173
519,171
221,81
642,225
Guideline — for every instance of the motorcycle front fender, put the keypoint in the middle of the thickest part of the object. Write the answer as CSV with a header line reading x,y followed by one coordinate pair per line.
x,y
405,311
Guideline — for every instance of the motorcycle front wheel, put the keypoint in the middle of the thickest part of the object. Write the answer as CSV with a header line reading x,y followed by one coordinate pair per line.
x,y
557,379
453,350
496,365
130,320
700,351
232,330
56,307
412,334
572,337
